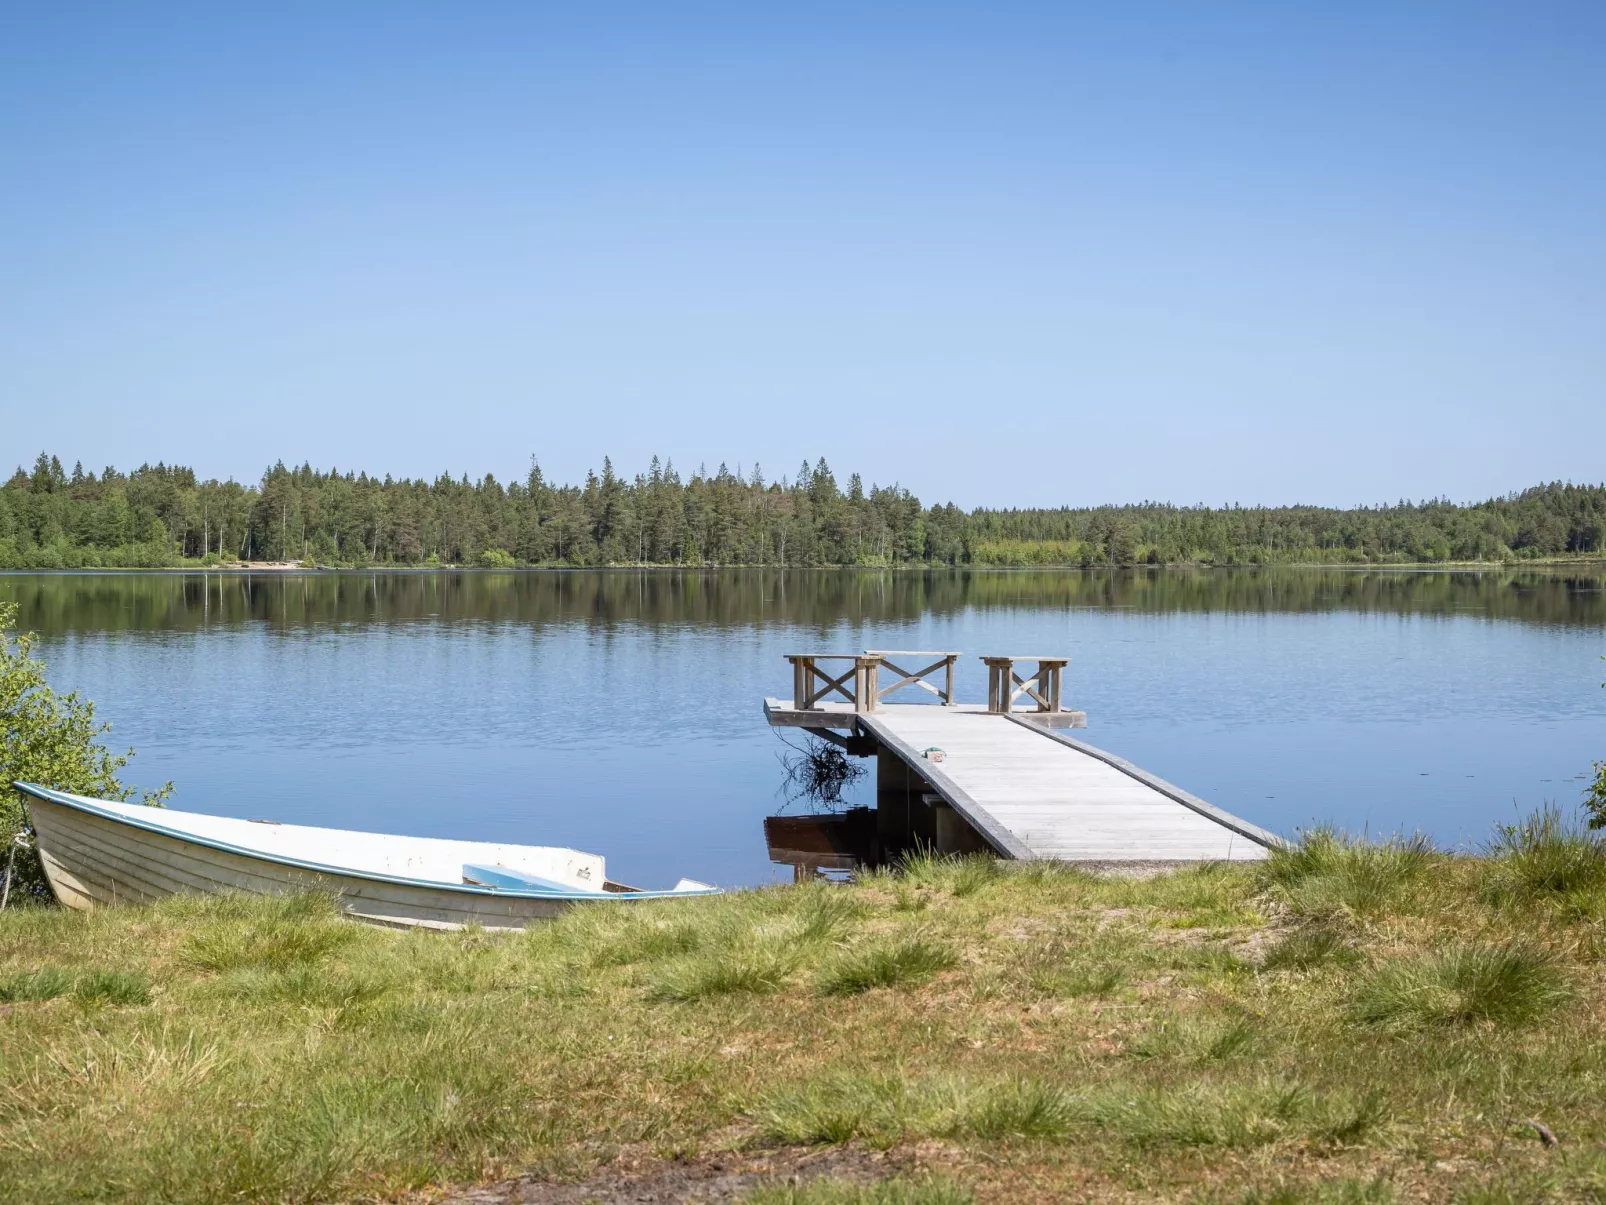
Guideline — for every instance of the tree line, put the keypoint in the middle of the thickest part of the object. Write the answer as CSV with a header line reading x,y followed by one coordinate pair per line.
x,y
165,515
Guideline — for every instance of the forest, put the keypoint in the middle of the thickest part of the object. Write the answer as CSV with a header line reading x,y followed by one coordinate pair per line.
x,y
165,515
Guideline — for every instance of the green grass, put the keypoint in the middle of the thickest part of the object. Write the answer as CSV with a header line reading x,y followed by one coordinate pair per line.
x,y
1508,984
1309,948
1343,1191
1330,874
929,1190
292,931
905,961
45,983
1349,1023
1544,856
89,986
112,987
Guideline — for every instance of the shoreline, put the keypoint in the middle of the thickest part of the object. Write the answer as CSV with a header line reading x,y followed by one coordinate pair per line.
x,y
246,568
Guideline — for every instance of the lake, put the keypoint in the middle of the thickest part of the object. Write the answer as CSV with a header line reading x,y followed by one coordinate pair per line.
x,y
620,711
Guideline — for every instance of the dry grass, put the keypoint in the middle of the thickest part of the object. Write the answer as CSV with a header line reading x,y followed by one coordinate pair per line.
x,y
1354,1022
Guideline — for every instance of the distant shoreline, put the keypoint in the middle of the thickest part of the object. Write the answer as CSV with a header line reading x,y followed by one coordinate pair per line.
x,y
247,568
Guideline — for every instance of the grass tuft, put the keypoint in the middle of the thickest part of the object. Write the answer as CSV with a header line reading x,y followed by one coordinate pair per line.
x,y
46,983
959,875
749,966
1066,968
1542,856
924,1190
1024,1108
1233,1115
832,1110
1330,874
1306,949
906,961
87,987
882,1110
823,910
1324,1192
235,932
112,987
1511,984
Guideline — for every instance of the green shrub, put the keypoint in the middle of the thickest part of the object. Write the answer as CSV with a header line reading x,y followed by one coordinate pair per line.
x,y
1511,984
1595,797
49,739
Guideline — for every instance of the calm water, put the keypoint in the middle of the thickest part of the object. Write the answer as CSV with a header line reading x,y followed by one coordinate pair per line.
x,y
620,711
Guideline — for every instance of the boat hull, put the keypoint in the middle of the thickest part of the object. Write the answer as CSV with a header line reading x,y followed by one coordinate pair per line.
x,y
93,860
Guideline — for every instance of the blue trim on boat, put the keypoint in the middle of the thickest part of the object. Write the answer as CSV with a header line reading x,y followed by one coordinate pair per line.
x,y
505,878
83,805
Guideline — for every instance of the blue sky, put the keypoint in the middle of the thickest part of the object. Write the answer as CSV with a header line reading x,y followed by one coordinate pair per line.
x,y
1003,254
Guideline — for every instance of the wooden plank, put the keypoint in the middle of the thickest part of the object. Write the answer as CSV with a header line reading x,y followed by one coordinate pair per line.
x,y
1224,818
1033,793
999,837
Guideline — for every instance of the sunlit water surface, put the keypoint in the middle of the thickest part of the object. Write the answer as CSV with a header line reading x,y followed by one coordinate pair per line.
x,y
620,712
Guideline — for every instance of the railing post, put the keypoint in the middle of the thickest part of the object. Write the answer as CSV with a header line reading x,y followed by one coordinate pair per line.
x,y
1050,683
800,682
999,684
803,688
948,689
1045,686
866,681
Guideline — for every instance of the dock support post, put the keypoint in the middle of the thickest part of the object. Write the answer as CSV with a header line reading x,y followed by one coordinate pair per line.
x,y
904,821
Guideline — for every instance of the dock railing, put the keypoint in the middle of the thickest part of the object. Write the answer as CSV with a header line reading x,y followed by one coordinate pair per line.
x,y
1044,687
812,685
944,662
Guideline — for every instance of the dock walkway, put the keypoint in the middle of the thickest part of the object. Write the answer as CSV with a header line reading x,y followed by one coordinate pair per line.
x,y
1030,791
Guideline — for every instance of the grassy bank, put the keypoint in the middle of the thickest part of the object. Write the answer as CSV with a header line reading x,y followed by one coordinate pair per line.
x,y
1348,1024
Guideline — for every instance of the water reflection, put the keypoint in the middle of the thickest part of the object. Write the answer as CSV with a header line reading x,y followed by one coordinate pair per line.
x,y
824,598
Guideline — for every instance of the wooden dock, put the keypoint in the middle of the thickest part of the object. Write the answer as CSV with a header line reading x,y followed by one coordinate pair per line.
x,y
956,778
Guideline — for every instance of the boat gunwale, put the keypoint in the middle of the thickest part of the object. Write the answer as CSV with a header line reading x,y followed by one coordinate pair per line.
x,y
88,806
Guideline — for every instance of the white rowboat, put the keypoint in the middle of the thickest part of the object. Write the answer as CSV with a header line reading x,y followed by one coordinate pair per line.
x,y
98,853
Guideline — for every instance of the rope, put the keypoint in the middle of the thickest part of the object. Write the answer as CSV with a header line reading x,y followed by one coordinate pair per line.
x,y
18,841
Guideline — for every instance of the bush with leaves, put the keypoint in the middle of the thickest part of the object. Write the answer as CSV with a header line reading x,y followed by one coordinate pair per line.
x,y
1595,793
49,739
